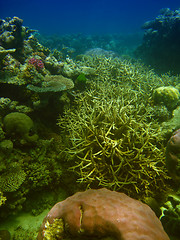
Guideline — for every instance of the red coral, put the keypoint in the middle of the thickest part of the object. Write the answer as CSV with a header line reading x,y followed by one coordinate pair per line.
x,y
106,213
37,63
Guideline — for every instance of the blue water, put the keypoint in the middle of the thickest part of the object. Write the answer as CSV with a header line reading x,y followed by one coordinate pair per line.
x,y
82,16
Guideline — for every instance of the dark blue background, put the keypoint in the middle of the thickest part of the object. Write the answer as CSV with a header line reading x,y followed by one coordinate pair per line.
x,y
82,16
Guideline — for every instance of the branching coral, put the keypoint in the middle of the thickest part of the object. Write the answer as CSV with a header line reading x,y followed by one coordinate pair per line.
x,y
112,144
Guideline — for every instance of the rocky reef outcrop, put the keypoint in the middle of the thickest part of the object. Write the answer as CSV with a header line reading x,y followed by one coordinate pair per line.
x,y
160,47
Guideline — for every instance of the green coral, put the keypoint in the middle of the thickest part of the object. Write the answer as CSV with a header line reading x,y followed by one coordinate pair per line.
x,y
2,198
12,179
55,230
169,96
170,215
20,126
111,141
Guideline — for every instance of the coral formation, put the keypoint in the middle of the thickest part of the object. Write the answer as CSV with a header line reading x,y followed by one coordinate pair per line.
x,y
13,34
6,146
4,52
37,63
2,198
172,124
168,96
173,155
20,126
170,214
105,213
53,83
160,47
12,179
55,230
111,141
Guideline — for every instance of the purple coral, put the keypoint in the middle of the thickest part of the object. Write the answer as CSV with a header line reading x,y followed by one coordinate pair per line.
x,y
173,155
37,63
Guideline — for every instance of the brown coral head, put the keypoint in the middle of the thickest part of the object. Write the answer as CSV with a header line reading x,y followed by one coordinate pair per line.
x,y
173,155
104,213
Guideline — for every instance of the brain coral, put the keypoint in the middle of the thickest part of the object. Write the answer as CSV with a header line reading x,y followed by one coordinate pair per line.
x,y
19,125
104,213
169,96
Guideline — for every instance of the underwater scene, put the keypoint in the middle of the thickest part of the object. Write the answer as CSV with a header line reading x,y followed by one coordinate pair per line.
x,y
89,120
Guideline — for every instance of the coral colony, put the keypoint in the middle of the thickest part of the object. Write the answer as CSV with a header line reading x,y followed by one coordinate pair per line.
x,y
37,63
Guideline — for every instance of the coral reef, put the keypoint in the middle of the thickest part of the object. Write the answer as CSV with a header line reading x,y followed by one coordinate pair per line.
x,y
113,132
173,155
13,34
77,44
20,126
104,213
160,47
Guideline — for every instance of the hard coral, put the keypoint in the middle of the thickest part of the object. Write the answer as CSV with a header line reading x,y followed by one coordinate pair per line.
x,y
20,126
105,213
37,63
168,96
173,155
111,142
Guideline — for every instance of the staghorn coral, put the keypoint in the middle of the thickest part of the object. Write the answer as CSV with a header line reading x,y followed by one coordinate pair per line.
x,y
102,213
111,142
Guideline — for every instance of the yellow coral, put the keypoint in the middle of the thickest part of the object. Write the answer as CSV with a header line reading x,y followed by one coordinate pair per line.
x,y
111,141
55,230
168,96
2,198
